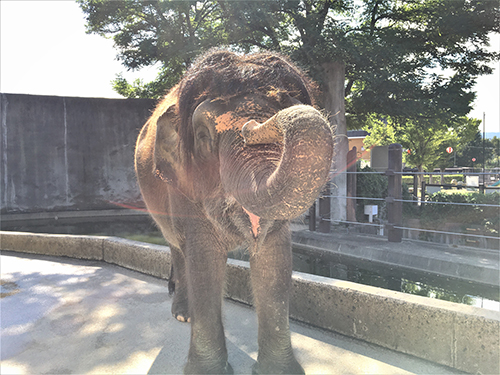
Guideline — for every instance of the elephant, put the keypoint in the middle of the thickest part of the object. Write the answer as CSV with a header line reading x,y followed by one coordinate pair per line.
x,y
229,156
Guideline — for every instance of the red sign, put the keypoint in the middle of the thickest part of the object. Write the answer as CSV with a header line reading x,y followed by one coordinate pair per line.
x,y
449,150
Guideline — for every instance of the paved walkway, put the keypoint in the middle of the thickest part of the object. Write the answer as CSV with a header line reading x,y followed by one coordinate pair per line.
x,y
65,316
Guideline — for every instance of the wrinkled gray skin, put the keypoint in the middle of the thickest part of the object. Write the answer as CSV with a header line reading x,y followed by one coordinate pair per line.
x,y
255,166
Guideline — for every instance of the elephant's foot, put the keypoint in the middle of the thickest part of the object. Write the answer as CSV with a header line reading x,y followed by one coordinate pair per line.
x,y
198,368
180,310
291,367
182,318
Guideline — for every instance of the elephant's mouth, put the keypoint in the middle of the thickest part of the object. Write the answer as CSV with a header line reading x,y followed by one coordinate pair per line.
x,y
254,221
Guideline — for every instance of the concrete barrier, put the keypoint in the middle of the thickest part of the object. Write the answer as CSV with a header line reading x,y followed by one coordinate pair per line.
x,y
69,153
459,336
464,263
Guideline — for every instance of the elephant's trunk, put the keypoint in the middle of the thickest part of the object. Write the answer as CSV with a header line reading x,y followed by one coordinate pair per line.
x,y
279,170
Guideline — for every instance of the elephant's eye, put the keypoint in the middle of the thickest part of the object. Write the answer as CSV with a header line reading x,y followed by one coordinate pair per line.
x,y
203,142
202,135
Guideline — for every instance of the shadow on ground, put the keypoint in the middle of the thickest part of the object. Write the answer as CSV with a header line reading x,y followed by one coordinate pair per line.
x,y
61,315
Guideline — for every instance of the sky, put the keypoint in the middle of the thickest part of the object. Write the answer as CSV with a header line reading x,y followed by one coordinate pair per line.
x,y
44,50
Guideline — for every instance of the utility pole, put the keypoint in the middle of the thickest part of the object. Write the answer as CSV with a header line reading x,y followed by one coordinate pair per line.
x,y
484,138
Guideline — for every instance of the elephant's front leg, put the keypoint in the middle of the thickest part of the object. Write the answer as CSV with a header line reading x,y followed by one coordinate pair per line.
x,y
206,258
271,270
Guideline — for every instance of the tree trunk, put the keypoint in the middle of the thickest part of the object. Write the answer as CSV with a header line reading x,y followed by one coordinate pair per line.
x,y
333,90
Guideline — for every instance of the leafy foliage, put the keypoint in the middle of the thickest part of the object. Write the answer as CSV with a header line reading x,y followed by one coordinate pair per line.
x,y
494,161
447,179
402,44
370,185
425,140
474,149
487,217
171,33
389,48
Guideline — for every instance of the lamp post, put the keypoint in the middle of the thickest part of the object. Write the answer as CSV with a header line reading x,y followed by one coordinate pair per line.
x,y
484,136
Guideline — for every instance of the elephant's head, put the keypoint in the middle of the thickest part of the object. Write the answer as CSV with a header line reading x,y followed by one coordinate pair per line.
x,y
243,127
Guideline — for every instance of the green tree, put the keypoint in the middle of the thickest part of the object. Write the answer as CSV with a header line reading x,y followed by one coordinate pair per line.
x,y
380,55
425,140
494,162
383,50
165,33
475,149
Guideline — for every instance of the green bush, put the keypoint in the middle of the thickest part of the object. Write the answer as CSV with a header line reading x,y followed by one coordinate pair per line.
x,y
447,179
370,185
410,209
468,215
457,177
407,180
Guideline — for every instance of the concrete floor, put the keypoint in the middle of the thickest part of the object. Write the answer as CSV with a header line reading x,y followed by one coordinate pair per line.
x,y
66,316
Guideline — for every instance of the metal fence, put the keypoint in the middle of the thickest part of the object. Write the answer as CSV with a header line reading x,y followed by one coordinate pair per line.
x,y
392,225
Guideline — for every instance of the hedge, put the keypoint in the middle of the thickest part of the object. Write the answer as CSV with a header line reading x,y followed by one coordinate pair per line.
x,y
447,178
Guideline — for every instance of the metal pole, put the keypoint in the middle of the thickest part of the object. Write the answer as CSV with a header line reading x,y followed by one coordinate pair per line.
x,y
415,188
422,193
394,193
484,138
498,152
324,210
312,217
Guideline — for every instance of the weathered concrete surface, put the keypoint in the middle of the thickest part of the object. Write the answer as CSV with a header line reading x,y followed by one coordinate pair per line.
x,y
150,259
459,336
424,327
61,153
105,221
69,316
68,217
469,264
80,247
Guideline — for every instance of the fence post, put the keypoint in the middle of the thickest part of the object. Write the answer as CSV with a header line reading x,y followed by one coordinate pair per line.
x,y
415,188
351,184
324,210
394,193
312,217
422,193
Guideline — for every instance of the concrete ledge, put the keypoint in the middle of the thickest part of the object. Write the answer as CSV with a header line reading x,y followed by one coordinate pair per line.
x,y
150,259
78,215
459,336
468,264
80,247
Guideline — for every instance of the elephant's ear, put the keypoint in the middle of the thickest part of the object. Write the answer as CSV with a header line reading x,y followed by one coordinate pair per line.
x,y
166,154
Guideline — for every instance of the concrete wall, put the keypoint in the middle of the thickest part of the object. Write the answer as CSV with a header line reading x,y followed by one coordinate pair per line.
x,y
63,153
